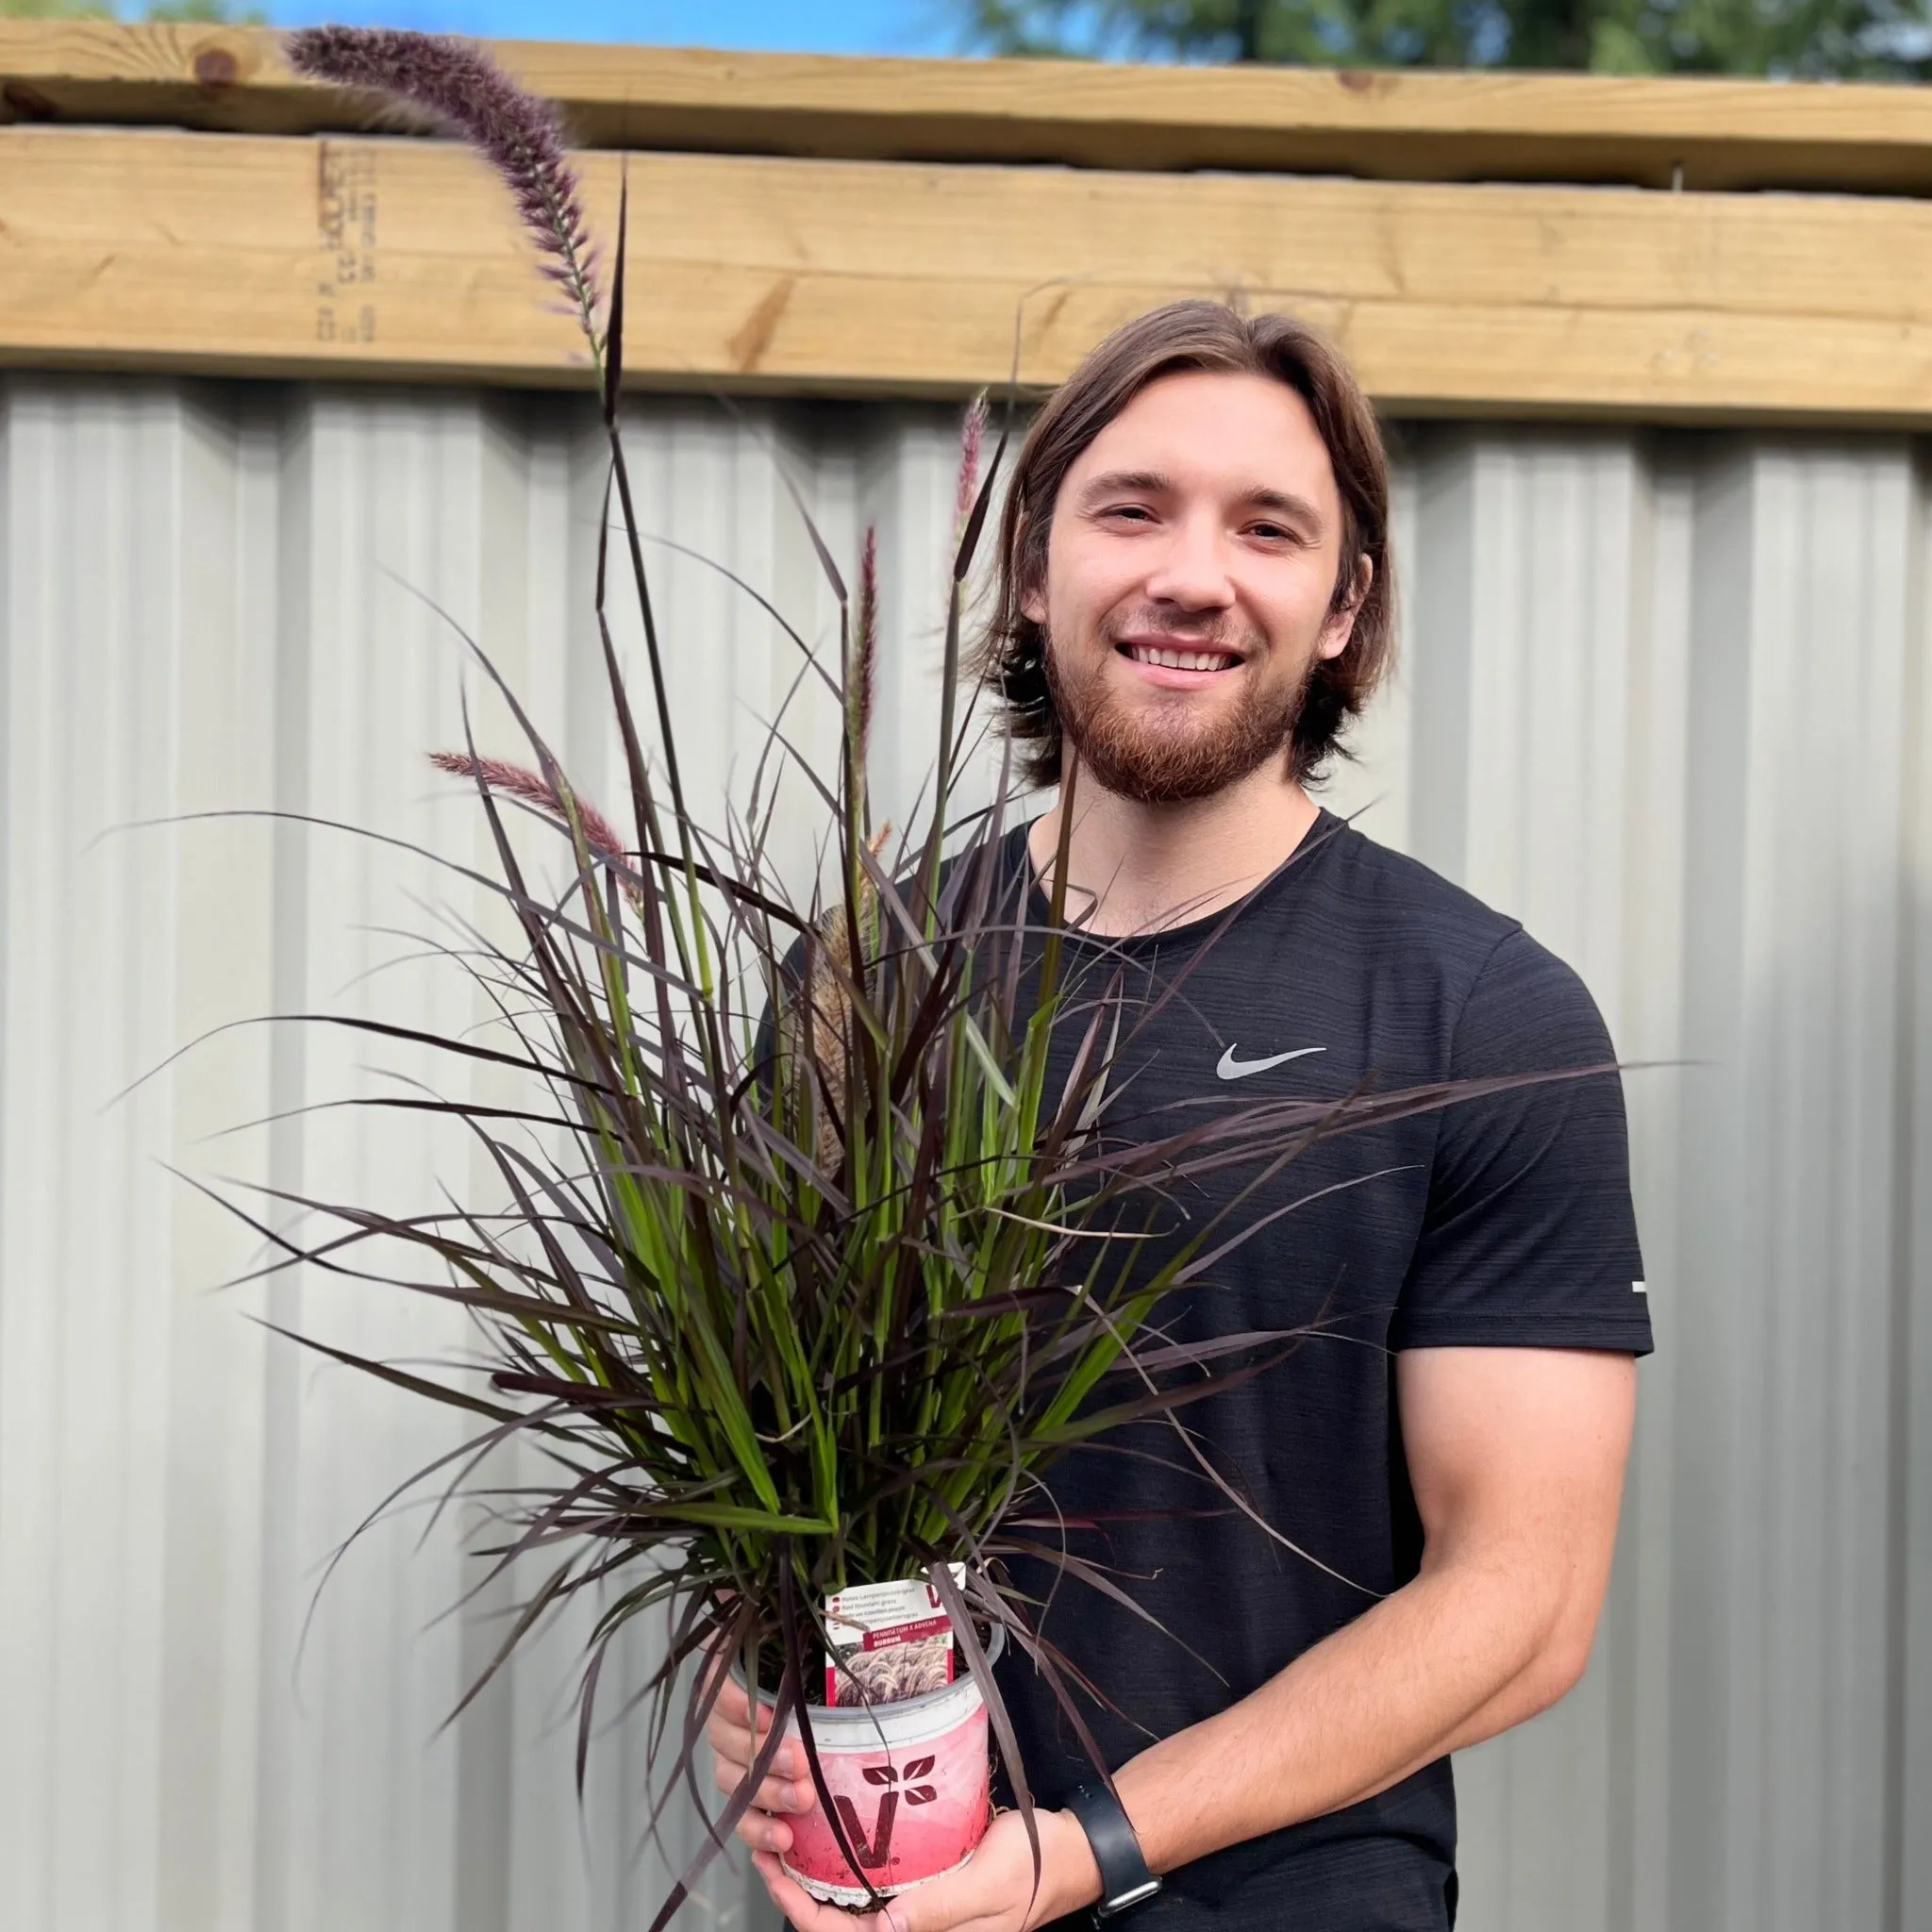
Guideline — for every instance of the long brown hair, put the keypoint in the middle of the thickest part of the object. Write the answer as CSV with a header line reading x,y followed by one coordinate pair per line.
x,y
1011,655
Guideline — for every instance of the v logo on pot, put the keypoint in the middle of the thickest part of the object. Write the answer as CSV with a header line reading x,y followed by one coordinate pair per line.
x,y
874,1848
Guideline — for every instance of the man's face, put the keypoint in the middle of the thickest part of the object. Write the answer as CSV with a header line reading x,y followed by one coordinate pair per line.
x,y
1191,570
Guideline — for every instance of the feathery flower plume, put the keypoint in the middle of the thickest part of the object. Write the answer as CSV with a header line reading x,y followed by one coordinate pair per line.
x,y
519,781
866,645
828,1010
518,134
972,440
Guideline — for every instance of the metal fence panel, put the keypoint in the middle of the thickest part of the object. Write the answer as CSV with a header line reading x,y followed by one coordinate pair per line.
x,y
1663,697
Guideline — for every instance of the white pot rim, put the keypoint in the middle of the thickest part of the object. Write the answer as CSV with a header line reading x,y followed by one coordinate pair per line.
x,y
906,1714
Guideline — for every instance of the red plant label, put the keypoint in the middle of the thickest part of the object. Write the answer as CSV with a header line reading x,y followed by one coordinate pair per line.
x,y
889,1641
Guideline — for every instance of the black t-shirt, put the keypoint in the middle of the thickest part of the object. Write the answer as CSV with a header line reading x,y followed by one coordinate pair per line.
x,y
1504,1220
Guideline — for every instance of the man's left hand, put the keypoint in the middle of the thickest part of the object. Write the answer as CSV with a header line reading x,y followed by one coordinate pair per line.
x,y
994,1891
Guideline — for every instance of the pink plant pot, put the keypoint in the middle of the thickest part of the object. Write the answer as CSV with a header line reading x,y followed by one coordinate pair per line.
x,y
911,1781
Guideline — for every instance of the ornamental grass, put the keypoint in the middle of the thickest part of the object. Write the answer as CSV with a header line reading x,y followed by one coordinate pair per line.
x,y
818,1239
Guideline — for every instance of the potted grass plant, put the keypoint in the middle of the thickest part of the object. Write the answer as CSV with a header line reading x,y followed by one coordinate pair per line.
x,y
817,1250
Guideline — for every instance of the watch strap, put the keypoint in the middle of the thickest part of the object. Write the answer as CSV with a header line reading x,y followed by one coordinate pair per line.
x,y
1125,1879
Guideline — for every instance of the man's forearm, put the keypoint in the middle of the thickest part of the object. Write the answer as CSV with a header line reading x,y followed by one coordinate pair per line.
x,y
1453,1657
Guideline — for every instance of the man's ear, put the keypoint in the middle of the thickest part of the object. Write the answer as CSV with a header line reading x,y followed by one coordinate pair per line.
x,y
1340,625
1032,596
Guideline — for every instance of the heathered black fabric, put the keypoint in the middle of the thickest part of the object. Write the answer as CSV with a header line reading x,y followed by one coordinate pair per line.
x,y
1499,1221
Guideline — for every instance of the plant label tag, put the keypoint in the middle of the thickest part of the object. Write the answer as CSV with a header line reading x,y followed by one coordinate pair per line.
x,y
888,1641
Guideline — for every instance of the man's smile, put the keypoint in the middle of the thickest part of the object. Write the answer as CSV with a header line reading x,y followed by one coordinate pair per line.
x,y
1178,663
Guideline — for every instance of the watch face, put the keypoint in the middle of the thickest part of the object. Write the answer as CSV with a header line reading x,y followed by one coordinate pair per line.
x,y
1107,1907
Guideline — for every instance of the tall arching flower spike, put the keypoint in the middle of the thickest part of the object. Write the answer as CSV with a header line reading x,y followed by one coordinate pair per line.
x,y
517,133
518,781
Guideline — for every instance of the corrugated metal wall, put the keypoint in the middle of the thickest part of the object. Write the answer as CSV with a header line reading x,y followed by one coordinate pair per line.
x,y
1665,699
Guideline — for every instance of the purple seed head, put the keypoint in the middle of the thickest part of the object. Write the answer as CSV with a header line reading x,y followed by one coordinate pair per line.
x,y
971,439
518,134
866,655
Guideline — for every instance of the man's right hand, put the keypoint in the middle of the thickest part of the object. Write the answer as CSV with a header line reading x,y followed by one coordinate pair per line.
x,y
787,1786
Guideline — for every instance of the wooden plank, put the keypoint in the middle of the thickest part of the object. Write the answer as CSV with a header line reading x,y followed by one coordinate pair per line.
x,y
400,258
1710,133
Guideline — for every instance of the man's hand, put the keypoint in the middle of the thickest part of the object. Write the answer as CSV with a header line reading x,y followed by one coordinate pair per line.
x,y
787,1786
994,1891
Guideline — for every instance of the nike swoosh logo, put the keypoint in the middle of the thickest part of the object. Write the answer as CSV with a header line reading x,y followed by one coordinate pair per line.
x,y
1231,1069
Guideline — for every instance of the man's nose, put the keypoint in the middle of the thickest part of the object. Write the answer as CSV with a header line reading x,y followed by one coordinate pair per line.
x,y
1191,571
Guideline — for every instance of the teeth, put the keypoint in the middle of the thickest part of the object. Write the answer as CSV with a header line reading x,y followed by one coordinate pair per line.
x,y
1179,660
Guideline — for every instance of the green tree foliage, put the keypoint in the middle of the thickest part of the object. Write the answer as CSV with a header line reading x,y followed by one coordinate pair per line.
x,y
1883,40
212,11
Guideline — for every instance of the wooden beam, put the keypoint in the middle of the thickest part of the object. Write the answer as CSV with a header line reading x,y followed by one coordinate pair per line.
x,y
1707,134
400,259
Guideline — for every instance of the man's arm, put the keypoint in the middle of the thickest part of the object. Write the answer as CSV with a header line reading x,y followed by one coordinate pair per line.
x,y
1517,1460
1516,1457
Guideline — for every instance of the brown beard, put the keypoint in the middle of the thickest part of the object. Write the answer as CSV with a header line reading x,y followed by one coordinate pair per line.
x,y
1153,765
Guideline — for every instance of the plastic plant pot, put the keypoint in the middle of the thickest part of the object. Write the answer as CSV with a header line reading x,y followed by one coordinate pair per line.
x,y
912,1784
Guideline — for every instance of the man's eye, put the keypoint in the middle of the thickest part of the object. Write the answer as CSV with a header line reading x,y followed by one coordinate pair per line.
x,y
1132,510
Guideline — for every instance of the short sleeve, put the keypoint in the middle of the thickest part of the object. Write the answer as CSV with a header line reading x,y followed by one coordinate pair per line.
x,y
1529,1236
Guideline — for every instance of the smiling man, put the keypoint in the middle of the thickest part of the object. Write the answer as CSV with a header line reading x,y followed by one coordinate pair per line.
x,y
1403,1542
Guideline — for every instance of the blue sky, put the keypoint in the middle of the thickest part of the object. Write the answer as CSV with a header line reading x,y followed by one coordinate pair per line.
x,y
816,27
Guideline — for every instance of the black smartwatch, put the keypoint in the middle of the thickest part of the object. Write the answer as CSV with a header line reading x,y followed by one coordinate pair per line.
x,y
1125,1879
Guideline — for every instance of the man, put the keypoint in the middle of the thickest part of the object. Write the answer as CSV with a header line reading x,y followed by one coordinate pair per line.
x,y
1194,600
